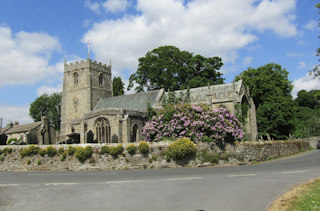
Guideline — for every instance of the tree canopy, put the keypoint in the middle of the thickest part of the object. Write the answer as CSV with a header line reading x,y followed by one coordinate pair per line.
x,y
117,86
307,115
271,89
49,106
169,68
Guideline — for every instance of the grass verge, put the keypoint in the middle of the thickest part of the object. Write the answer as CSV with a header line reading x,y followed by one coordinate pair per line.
x,y
302,197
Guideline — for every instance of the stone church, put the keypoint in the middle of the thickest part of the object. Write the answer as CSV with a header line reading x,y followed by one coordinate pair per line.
x,y
90,113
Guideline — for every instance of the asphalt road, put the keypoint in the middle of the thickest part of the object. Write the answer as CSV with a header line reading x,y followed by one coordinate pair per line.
x,y
251,187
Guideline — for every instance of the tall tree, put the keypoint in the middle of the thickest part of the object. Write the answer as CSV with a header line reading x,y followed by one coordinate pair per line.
x,y
169,68
117,86
49,106
271,89
307,115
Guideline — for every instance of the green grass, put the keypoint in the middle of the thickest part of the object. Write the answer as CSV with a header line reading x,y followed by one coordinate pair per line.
x,y
309,198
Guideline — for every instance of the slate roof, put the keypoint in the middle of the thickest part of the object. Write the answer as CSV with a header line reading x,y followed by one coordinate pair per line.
x,y
135,102
220,92
23,128
4,129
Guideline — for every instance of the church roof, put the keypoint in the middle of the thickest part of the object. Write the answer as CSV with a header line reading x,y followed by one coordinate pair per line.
x,y
136,102
23,128
214,93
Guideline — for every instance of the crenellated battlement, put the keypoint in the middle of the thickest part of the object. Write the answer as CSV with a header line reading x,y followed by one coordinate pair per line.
x,y
72,66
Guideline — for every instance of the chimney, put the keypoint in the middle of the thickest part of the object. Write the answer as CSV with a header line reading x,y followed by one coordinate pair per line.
x,y
11,124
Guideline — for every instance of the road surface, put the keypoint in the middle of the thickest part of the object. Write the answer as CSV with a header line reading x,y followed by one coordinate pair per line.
x,y
251,187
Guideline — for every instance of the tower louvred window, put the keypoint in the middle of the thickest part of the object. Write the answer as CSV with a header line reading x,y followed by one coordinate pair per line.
x,y
100,79
76,78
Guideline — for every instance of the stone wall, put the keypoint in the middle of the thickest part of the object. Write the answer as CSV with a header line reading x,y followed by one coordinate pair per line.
x,y
240,153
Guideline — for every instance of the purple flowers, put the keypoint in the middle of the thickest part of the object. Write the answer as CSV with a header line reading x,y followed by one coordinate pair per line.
x,y
196,122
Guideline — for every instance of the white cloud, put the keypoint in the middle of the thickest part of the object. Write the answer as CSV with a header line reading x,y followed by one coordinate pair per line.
x,y
93,6
49,90
14,113
247,61
206,27
24,57
302,65
311,25
115,5
307,83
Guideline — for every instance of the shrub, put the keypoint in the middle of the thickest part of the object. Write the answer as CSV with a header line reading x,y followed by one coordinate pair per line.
x,y
64,156
181,149
29,162
71,150
42,152
2,158
224,156
131,149
195,122
207,157
154,157
150,160
143,147
51,151
115,150
7,150
82,154
12,141
31,150
61,151
105,150
39,162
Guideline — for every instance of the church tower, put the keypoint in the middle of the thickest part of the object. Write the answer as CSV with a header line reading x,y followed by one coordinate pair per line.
x,y
84,84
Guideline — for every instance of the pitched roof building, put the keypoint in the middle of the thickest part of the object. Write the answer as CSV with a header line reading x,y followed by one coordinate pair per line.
x,y
32,133
89,113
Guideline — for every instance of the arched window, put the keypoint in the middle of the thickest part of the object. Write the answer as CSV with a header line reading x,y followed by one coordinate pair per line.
x,y
100,79
103,130
134,134
75,78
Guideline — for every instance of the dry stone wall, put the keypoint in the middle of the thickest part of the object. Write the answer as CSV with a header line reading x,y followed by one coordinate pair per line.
x,y
240,153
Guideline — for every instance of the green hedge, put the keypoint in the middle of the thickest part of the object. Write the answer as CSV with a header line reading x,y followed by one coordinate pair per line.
x,y
82,154
143,147
131,149
181,149
31,150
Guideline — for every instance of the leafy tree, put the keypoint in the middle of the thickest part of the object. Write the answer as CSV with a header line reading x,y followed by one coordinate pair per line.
x,y
117,86
271,89
307,115
49,106
308,99
169,68
307,122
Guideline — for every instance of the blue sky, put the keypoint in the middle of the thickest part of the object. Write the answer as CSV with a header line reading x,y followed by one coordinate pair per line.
x,y
36,36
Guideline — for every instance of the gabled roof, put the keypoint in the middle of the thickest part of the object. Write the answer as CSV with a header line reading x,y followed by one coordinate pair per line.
x,y
135,102
3,130
23,128
213,93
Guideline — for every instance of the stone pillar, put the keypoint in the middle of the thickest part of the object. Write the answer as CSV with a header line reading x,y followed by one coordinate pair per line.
x,y
125,129
83,132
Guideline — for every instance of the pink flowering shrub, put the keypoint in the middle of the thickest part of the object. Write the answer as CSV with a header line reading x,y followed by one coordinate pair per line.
x,y
198,122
